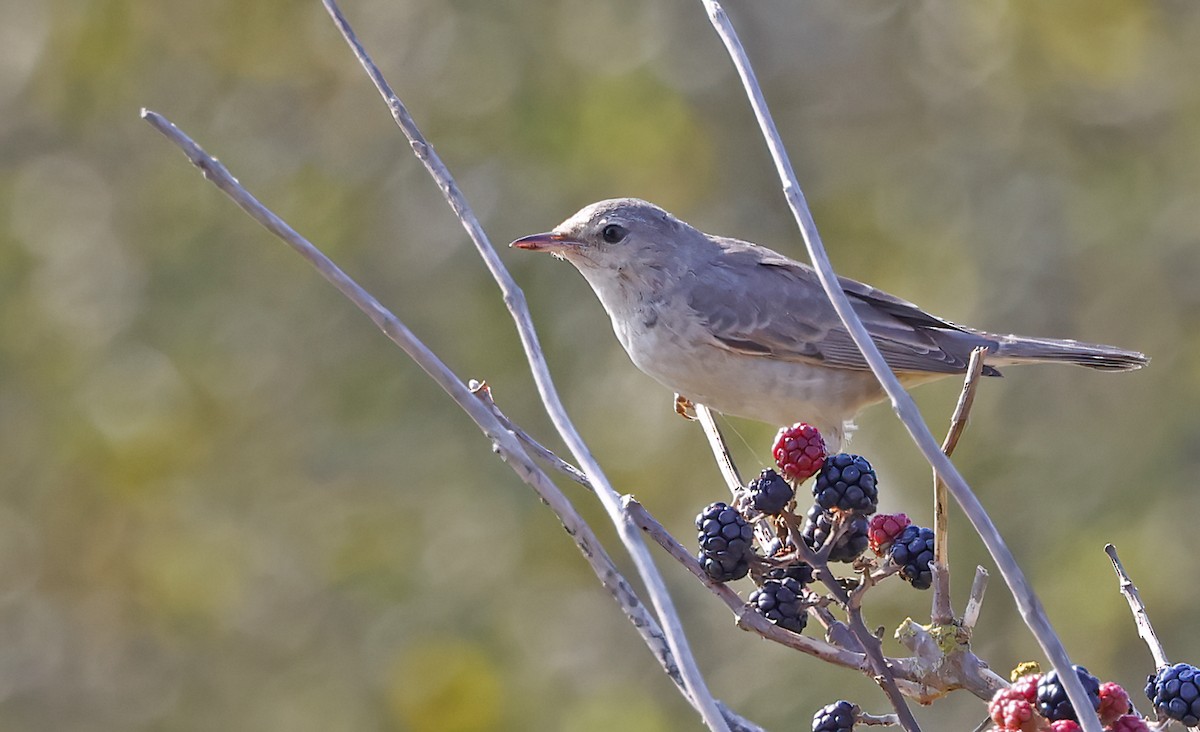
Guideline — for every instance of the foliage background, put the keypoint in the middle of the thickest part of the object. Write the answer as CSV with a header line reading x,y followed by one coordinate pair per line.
x,y
228,503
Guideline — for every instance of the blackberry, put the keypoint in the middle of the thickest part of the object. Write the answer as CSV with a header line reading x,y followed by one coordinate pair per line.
x,y
1175,691
769,492
1012,712
781,602
1114,703
725,542
837,717
846,483
847,548
884,528
913,551
1129,723
798,451
1052,699
723,569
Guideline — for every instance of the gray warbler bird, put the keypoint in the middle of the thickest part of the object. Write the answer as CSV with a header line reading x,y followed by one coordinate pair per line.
x,y
749,332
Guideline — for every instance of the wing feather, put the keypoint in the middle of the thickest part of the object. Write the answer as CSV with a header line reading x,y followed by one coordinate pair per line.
x,y
760,303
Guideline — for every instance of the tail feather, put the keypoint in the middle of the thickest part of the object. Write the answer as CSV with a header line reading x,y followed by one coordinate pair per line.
x,y
1019,349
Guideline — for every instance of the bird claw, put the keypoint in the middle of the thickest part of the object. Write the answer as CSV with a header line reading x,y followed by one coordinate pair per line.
x,y
685,408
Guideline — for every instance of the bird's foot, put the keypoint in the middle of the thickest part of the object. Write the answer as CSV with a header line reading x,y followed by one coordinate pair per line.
x,y
685,408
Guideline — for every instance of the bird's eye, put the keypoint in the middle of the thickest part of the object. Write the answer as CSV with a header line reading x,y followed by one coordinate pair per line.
x,y
613,233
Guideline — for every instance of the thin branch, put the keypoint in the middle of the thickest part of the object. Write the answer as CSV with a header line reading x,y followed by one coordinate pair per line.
x,y
720,449
1141,618
539,451
975,600
906,409
503,441
514,300
943,612
877,720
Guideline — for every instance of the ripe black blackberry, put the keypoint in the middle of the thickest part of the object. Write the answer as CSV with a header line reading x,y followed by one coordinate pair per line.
x,y
725,542
769,492
851,543
1052,701
1175,691
846,483
781,602
836,717
913,551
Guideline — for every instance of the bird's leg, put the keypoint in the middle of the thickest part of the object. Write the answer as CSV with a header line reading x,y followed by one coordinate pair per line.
x,y
685,408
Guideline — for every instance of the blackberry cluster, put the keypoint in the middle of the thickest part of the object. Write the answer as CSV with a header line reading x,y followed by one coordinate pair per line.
x,y
836,717
770,493
846,483
1052,699
781,602
725,542
1175,691
913,551
847,548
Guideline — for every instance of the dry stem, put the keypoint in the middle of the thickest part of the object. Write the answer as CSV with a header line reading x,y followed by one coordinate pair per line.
x,y
503,440
1027,601
1141,618
943,612
514,299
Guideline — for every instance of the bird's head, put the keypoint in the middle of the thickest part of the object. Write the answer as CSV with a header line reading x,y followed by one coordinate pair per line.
x,y
617,235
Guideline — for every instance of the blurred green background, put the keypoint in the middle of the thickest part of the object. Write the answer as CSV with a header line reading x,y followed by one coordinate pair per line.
x,y
229,503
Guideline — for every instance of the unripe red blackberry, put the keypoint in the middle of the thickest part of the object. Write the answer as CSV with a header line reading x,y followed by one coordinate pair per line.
x,y
1129,723
799,451
883,529
1114,703
1012,712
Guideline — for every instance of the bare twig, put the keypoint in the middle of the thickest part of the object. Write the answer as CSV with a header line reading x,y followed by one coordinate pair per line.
x,y
1140,617
975,600
943,612
720,450
877,720
539,451
514,300
1027,600
503,441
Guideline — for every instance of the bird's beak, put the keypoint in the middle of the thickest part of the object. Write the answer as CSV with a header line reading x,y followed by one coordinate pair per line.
x,y
551,241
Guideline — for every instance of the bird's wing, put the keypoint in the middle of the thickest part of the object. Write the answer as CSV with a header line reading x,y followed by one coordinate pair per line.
x,y
757,302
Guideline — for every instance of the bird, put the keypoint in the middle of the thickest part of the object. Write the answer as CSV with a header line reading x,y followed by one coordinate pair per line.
x,y
749,332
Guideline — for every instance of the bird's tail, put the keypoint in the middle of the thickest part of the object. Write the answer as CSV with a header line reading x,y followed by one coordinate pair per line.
x,y
1019,349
